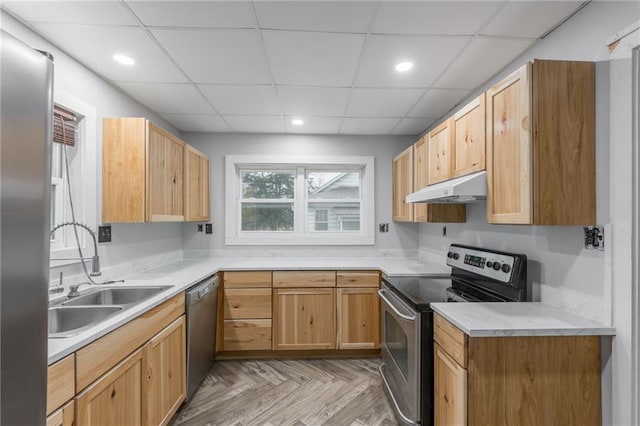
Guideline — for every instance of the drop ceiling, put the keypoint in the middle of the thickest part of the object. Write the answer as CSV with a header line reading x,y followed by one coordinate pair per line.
x,y
236,66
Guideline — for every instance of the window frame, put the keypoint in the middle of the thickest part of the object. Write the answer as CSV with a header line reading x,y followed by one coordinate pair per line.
x,y
301,235
84,185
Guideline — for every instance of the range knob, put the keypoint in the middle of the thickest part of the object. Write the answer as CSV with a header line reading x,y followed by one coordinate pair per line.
x,y
450,254
496,266
489,264
455,256
506,268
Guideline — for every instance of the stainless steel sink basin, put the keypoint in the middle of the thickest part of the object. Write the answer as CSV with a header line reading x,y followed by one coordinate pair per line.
x,y
122,296
65,321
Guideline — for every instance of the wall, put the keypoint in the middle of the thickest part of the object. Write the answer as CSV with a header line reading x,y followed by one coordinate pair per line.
x,y
130,242
401,238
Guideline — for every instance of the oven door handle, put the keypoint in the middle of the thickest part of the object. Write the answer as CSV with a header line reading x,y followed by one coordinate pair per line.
x,y
410,318
393,398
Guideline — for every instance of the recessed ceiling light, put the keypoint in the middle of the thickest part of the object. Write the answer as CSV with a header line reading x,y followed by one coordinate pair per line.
x,y
404,66
297,122
123,59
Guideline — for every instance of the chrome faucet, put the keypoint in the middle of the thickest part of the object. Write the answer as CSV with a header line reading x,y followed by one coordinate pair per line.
x,y
95,260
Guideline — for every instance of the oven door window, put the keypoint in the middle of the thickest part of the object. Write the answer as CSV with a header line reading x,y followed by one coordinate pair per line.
x,y
395,340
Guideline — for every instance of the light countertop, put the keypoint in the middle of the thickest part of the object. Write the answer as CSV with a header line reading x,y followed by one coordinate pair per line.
x,y
518,319
183,274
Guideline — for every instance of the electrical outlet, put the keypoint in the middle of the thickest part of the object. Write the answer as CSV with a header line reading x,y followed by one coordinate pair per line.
x,y
104,234
383,227
208,228
200,227
594,237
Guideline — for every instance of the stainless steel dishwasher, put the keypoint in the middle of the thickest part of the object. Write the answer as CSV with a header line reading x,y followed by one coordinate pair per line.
x,y
201,305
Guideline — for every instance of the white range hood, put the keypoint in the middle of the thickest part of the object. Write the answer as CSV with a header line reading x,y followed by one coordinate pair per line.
x,y
461,190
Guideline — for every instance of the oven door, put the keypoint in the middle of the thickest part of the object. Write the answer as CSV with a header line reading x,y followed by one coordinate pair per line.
x,y
400,367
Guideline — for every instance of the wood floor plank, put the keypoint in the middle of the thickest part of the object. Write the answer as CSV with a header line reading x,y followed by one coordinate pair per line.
x,y
295,392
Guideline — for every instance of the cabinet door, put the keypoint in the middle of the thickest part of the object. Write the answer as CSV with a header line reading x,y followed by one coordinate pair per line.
x,y
450,391
304,318
165,176
165,373
509,155
469,137
403,185
116,398
358,318
196,185
440,152
423,212
65,416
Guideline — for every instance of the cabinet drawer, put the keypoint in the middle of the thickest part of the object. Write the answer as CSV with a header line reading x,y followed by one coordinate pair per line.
x,y
358,278
247,335
247,303
98,357
451,339
299,279
250,279
60,383
63,417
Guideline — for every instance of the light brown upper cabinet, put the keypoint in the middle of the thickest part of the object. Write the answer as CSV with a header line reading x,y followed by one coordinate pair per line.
x,y
440,152
433,213
541,145
469,138
403,185
142,172
196,168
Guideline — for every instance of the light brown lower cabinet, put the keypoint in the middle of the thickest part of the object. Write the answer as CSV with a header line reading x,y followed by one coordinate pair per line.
x,y
65,416
115,398
358,315
528,381
304,318
165,365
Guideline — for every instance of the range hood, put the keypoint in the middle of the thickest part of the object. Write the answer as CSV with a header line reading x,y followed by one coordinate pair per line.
x,y
461,190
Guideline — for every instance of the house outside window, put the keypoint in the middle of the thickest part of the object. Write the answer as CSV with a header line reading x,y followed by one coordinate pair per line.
x,y
299,201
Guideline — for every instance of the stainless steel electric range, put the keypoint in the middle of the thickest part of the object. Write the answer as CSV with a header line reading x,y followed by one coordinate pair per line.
x,y
478,275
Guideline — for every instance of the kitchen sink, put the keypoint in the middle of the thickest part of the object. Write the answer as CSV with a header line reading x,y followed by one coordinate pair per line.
x,y
122,296
65,321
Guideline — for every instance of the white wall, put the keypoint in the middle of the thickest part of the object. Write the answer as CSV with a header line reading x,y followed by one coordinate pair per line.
x,y
401,238
130,242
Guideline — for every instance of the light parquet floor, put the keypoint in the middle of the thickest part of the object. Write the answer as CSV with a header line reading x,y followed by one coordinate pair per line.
x,y
300,392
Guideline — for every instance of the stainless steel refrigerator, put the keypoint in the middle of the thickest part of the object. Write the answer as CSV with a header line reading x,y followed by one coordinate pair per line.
x,y
26,100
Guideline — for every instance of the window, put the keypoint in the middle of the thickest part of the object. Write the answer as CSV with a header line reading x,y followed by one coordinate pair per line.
x,y
82,171
299,201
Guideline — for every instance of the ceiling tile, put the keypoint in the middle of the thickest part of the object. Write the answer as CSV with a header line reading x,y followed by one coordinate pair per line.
x,y
217,56
430,56
529,18
486,57
95,46
433,17
204,14
72,12
412,126
382,102
437,102
318,59
327,101
197,122
245,100
168,98
314,125
255,123
336,16
368,126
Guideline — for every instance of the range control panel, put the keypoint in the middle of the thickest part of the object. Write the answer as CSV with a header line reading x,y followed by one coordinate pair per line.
x,y
492,265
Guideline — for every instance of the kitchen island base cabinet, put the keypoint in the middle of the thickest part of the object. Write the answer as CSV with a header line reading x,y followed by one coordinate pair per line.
x,y
528,381
304,318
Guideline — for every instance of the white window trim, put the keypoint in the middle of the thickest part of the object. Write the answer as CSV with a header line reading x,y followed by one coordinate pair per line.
x,y
366,235
84,182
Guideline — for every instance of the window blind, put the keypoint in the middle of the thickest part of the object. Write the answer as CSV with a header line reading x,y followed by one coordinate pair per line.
x,y
64,126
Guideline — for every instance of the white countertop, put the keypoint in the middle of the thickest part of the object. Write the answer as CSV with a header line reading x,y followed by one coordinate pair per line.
x,y
518,319
183,274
